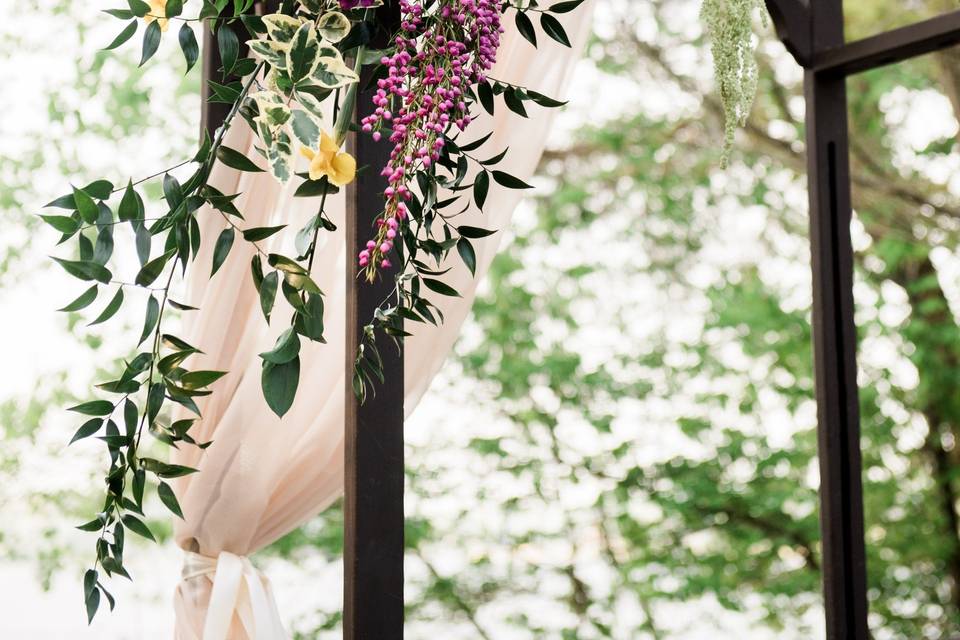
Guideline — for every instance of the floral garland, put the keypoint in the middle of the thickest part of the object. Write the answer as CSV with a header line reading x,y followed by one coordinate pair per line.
x,y
430,80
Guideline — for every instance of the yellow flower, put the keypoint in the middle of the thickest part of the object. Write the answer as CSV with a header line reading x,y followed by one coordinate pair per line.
x,y
157,8
339,167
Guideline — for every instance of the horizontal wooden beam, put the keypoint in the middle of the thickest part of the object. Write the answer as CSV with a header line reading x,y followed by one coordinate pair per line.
x,y
890,47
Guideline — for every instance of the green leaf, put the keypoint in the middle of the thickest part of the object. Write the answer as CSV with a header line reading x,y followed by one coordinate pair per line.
x,y
268,293
485,94
236,160
175,471
151,41
495,159
311,188
565,7
285,264
200,379
514,102
86,270
189,46
172,191
279,382
93,408
123,36
222,249
144,242
544,101
176,343
165,470
139,7
130,415
155,397
468,254
180,306
552,27
120,14
84,300
132,522
87,429
92,602
169,498
476,144
286,348
229,47
152,270
174,8
63,224
510,182
474,232
129,208
89,582
112,307
94,525
309,323
99,189
150,319
481,186
525,27
440,287
261,233
87,208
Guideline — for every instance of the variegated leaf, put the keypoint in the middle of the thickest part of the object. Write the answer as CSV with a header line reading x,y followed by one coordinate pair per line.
x,y
305,129
331,71
279,148
280,27
303,54
313,106
272,107
333,26
273,53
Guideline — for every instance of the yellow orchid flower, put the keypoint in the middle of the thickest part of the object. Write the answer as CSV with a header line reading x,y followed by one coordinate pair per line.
x,y
339,167
157,8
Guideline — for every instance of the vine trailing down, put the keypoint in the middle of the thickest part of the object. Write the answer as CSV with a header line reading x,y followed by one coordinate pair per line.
x,y
304,64
729,26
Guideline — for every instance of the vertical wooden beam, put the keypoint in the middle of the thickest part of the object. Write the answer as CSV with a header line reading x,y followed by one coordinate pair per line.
x,y
374,472
834,337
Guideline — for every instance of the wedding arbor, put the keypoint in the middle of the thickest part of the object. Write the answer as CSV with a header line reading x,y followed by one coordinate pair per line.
x,y
371,446
813,33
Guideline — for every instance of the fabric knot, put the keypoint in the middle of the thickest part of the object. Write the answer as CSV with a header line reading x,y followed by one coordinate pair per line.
x,y
238,589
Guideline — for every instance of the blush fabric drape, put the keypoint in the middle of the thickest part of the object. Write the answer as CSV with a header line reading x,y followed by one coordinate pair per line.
x,y
263,477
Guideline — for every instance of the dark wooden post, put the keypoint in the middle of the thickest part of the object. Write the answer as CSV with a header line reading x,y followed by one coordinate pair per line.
x,y
812,30
374,473
834,337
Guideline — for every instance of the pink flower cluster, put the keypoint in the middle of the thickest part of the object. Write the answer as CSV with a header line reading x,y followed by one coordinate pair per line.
x,y
440,52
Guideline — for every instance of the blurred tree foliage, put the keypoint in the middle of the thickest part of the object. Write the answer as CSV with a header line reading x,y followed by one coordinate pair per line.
x,y
644,351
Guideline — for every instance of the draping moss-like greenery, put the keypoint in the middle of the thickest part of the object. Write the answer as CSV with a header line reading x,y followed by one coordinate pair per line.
x,y
729,25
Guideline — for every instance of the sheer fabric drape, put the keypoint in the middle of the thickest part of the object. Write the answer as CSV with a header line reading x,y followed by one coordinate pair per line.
x,y
263,476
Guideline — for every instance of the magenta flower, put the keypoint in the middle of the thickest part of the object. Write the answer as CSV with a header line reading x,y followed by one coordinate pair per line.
x,y
439,54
